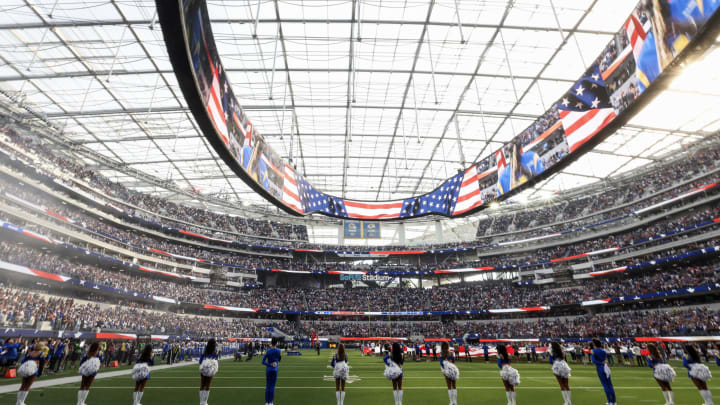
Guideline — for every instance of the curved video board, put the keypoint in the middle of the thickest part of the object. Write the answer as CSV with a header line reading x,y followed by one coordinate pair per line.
x,y
630,70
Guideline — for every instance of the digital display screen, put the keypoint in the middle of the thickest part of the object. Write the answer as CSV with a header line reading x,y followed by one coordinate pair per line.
x,y
651,38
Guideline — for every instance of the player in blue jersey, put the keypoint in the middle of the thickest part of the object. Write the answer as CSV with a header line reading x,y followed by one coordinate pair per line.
x,y
599,358
271,360
521,168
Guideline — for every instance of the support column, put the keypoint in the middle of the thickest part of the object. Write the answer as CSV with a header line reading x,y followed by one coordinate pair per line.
x,y
401,234
341,235
439,232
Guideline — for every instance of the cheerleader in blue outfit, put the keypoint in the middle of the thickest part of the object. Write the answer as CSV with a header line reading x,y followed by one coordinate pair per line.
x,y
664,374
208,368
698,373
599,358
141,373
341,370
450,371
270,361
561,370
510,376
393,370
89,366
28,371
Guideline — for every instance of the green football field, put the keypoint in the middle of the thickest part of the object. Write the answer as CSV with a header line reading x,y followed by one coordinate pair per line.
x,y
307,379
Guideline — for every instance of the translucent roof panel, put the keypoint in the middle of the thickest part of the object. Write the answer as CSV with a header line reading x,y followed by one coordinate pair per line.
x,y
371,99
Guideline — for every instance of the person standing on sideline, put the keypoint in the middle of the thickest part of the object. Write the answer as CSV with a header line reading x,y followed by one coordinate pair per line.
x,y
208,368
89,366
561,370
450,371
341,370
271,361
393,370
599,358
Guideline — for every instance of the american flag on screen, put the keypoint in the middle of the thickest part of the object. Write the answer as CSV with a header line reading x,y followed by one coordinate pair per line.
x,y
215,108
442,200
586,108
315,201
290,190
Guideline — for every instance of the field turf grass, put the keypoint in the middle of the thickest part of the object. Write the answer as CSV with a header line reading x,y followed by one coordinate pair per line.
x,y
307,379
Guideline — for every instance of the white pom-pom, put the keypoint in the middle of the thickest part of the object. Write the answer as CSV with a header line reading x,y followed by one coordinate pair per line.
x,y
511,375
209,367
664,372
341,370
140,372
89,367
27,369
393,371
450,371
700,372
561,369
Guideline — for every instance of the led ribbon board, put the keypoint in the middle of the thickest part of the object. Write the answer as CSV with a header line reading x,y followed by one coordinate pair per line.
x,y
634,66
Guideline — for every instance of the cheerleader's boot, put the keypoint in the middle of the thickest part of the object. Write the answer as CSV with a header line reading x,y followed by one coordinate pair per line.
x,y
513,395
450,395
509,397
342,397
670,398
337,397
21,395
707,396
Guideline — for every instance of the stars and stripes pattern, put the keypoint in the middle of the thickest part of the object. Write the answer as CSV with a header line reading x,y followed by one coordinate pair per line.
x,y
636,33
315,201
215,109
373,210
442,200
469,195
586,108
290,190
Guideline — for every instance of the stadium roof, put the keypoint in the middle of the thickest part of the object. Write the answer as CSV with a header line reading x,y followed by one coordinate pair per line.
x,y
397,77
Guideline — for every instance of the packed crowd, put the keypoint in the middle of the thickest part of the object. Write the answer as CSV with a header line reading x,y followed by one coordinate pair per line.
x,y
140,242
546,216
22,308
566,210
688,322
455,297
190,215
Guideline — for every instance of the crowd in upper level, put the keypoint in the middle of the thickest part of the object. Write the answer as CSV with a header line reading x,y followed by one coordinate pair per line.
x,y
452,297
577,212
22,308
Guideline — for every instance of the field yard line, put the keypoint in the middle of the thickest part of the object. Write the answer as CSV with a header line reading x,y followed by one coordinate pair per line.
x,y
51,383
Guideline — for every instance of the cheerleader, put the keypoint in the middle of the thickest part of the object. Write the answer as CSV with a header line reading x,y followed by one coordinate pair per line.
x,y
599,357
208,368
270,361
698,373
663,373
393,370
89,366
561,370
141,373
28,370
341,370
510,376
450,371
